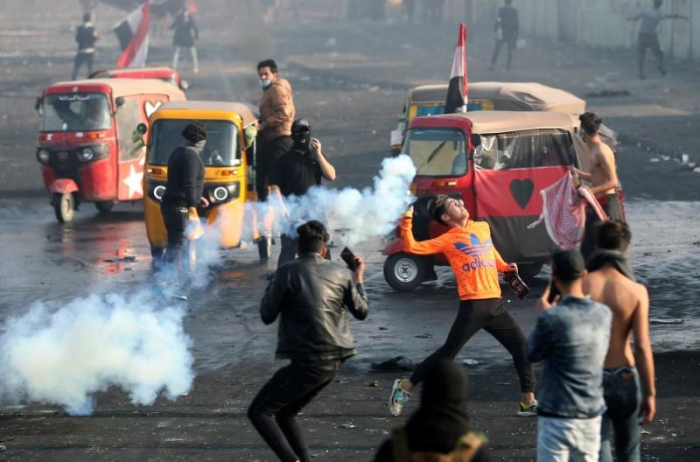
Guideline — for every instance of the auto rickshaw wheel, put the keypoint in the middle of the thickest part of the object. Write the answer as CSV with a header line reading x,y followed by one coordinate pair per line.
x,y
404,271
104,207
64,206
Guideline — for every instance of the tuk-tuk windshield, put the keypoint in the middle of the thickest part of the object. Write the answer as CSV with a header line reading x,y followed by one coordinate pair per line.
x,y
437,152
525,149
220,149
76,112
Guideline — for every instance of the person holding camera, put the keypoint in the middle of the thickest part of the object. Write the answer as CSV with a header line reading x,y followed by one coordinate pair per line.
x,y
296,171
311,296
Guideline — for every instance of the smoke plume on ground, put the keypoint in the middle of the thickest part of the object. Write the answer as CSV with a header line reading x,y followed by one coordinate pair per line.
x,y
358,215
64,356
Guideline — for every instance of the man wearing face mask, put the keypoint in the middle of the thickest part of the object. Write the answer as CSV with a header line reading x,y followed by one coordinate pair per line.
x,y
300,168
273,140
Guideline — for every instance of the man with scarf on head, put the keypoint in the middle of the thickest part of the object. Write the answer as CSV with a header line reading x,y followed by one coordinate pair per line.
x,y
295,173
439,429
183,193
274,130
610,281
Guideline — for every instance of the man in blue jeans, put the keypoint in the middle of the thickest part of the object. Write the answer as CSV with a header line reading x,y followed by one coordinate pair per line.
x,y
611,282
571,337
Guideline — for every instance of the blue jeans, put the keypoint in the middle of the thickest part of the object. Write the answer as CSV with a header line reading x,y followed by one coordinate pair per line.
x,y
623,397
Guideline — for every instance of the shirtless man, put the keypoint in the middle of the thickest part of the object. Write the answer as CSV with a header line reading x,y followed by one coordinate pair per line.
x,y
608,282
603,179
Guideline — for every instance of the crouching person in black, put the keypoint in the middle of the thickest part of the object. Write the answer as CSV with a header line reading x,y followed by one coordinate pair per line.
x,y
311,296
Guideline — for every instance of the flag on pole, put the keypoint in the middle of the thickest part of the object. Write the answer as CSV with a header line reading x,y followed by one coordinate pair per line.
x,y
132,33
457,91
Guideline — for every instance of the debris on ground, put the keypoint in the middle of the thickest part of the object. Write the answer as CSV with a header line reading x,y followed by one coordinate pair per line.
x,y
470,362
665,321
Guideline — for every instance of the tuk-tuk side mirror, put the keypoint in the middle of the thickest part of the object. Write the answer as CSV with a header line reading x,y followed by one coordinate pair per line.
x,y
475,140
141,128
184,84
39,105
120,101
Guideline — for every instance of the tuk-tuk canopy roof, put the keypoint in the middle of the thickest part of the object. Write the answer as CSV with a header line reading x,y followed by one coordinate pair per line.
x,y
509,96
137,70
244,110
484,122
119,87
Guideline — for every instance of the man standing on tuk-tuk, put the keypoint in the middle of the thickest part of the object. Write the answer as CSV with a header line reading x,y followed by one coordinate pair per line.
x,y
274,136
603,179
86,35
507,29
183,193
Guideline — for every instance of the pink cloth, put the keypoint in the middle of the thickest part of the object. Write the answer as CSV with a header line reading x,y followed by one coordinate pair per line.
x,y
564,212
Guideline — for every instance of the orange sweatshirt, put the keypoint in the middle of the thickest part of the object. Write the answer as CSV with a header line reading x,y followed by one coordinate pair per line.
x,y
471,254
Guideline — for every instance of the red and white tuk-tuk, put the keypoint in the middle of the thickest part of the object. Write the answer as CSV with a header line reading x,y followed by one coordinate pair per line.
x,y
163,73
87,145
497,162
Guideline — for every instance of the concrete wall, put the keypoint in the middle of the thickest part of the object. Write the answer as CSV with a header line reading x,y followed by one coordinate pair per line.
x,y
601,23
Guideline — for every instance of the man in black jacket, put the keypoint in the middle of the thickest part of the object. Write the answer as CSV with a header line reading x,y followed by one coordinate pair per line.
x,y
311,295
183,192
86,35
507,29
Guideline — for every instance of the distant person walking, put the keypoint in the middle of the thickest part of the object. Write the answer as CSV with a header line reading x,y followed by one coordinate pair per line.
x,y
475,263
311,296
86,35
648,35
610,282
184,36
602,177
571,337
507,29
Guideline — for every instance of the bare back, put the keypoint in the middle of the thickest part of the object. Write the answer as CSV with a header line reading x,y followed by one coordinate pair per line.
x,y
603,168
629,303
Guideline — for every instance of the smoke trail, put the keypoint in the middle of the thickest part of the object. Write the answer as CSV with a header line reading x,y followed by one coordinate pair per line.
x,y
358,214
65,356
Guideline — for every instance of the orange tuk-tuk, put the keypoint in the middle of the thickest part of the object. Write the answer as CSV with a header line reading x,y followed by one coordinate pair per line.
x,y
87,145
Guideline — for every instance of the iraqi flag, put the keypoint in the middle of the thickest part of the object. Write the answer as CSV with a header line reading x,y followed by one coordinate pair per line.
x,y
457,91
132,33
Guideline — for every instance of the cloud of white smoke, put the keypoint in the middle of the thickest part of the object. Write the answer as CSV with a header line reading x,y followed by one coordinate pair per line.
x,y
358,215
64,356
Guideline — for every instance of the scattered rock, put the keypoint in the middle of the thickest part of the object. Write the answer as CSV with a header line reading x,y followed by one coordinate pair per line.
x,y
470,362
348,425
665,321
424,336
654,159
647,254
373,384
383,328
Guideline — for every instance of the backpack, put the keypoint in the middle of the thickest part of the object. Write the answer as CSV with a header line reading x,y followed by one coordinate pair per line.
x,y
464,451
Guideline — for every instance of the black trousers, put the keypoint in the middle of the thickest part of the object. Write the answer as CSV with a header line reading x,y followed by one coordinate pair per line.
x,y
267,155
80,59
273,411
613,208
650,41
175,218
510,46
490,315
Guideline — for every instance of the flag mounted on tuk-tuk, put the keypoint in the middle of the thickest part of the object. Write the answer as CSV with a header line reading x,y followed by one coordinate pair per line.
x,y
132,34
458,91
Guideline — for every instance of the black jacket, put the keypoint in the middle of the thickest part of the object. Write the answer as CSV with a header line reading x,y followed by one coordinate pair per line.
x,y
312,295
185,177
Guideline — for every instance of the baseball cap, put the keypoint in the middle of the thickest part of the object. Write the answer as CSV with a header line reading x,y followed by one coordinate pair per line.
x,y
568,265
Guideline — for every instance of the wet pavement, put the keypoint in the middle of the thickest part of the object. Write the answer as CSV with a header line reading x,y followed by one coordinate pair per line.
x,y
353,91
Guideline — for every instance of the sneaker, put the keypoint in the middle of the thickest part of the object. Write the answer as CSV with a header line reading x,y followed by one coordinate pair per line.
x,y
528,410
399,398
173,291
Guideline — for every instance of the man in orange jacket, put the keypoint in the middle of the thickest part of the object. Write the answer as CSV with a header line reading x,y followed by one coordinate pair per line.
x,y
476,264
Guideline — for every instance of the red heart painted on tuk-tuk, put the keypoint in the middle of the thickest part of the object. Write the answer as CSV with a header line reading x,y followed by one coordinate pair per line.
x,y
522,191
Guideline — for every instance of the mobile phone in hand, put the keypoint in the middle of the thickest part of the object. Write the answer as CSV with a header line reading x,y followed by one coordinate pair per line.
x,y
553,292
349,259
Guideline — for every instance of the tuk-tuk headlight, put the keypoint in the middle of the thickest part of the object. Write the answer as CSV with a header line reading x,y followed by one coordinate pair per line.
x,y
44,156
86,154
220,194
159,192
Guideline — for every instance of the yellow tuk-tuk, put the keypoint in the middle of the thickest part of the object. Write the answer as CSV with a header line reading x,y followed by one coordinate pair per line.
x,y
227,172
